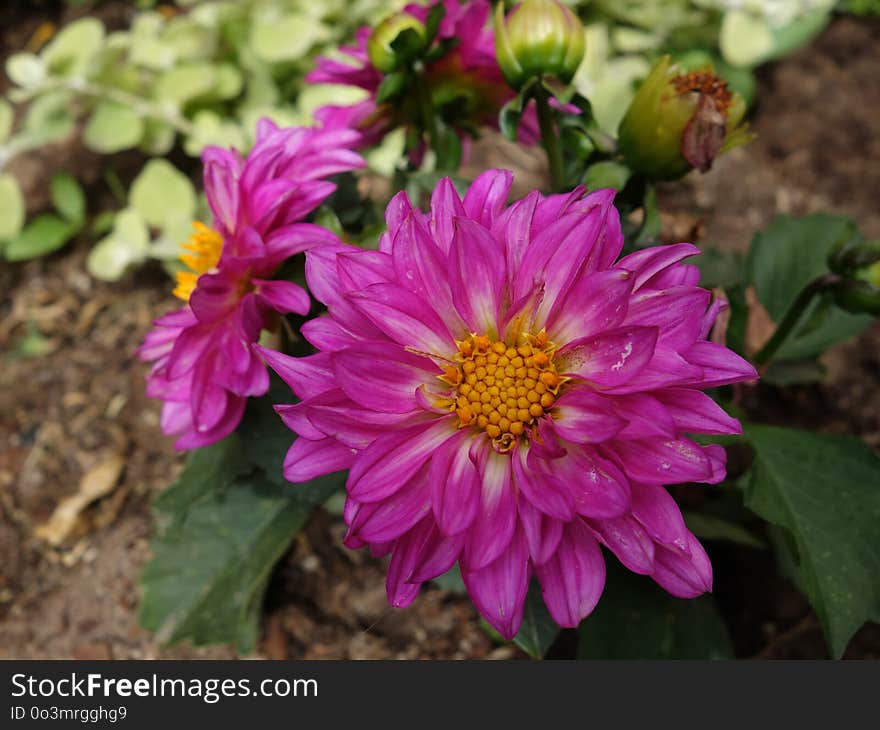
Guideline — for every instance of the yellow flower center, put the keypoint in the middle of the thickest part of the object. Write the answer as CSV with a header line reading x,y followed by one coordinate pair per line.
x,y
204,247
500,388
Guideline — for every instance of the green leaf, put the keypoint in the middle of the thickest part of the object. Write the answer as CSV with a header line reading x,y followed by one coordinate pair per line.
x,y
745,38
70,52
710,527
12,208
127,244
719,268
606,174
825,490
794,372
392,85
636,619
43,235
7,116
49,118
68,198
113,127
287,38
161,193
782,260
538,630
222,527
26,70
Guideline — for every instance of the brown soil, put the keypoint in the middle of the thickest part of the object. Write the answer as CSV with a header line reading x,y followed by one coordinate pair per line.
x,y
80,402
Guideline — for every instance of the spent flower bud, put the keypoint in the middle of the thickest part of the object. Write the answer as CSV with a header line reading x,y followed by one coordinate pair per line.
x,y
384,49
538,38
679,121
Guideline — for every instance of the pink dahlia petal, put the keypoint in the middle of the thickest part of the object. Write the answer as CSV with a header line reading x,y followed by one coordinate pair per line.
x,y
306,459
658,513
665,462
592,305
499,589
284,296
629,541
324,334
492,531
720,366
645,415
397,514
613,358
672,311
447,206
685,574
487,196
573,579
540,490
383,377
695,412
392,459
650,261
599,489
586,418
455,485
541,531
306,376
476,275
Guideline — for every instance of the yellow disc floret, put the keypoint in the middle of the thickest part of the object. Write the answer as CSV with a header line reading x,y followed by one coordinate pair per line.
x,y
503,388
201,254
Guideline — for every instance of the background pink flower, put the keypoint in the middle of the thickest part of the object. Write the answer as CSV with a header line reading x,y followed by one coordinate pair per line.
x,y
204,367
470,72
509,396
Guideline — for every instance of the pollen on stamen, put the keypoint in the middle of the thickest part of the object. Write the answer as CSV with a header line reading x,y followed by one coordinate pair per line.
x,y
501,388
204,246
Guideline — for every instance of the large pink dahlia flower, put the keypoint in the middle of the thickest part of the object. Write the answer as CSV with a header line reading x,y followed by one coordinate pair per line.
x,y
204,367
509,395
468,73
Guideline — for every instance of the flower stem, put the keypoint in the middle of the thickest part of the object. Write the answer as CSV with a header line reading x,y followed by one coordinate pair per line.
x,y
793,315
549,140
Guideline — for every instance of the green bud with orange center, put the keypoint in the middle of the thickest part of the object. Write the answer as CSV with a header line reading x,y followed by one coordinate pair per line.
x,y
679,121
386,55
538,38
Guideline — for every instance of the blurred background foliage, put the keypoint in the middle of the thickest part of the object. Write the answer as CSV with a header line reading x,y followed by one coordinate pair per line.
x,y
201,72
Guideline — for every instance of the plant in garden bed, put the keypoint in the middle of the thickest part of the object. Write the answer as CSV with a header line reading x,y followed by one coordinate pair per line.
x,y
511,386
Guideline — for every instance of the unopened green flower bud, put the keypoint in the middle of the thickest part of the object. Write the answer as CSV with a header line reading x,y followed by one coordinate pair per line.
x,y
858,297
538,38
381,49
679,121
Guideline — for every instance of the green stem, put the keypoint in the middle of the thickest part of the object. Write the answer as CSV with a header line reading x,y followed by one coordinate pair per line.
x,y
426,110
793,315
549,140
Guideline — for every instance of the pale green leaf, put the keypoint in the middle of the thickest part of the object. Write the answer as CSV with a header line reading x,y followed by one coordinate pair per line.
x,y
7,116
746,38
162,193
286,38
43,235
12,208
126,245
113,127
68,198
825,490
26,70
71,51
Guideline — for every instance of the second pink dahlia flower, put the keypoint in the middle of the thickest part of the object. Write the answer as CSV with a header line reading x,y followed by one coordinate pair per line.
x,y
204,368
509,395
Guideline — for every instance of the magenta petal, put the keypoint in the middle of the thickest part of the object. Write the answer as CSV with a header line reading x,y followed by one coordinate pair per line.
x,y
573,579
613,358
593,304
392,459
487,195
685,574
720,365
541,531
648,262
324,334
627,539
695,412
658,513
446,206
405,317
306,376
584,417
396,514
535,485
666,462
455,485
490,534
499,589
306,459
382,376
476,273
599,489
283,296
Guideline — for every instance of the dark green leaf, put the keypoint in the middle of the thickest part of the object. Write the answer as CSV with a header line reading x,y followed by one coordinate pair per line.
x,y
451,581
794,372
68,198
448,149
825,490
636,619
432,22
710,527
783,259
43,235
392,85
719,267
538,630
222,527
